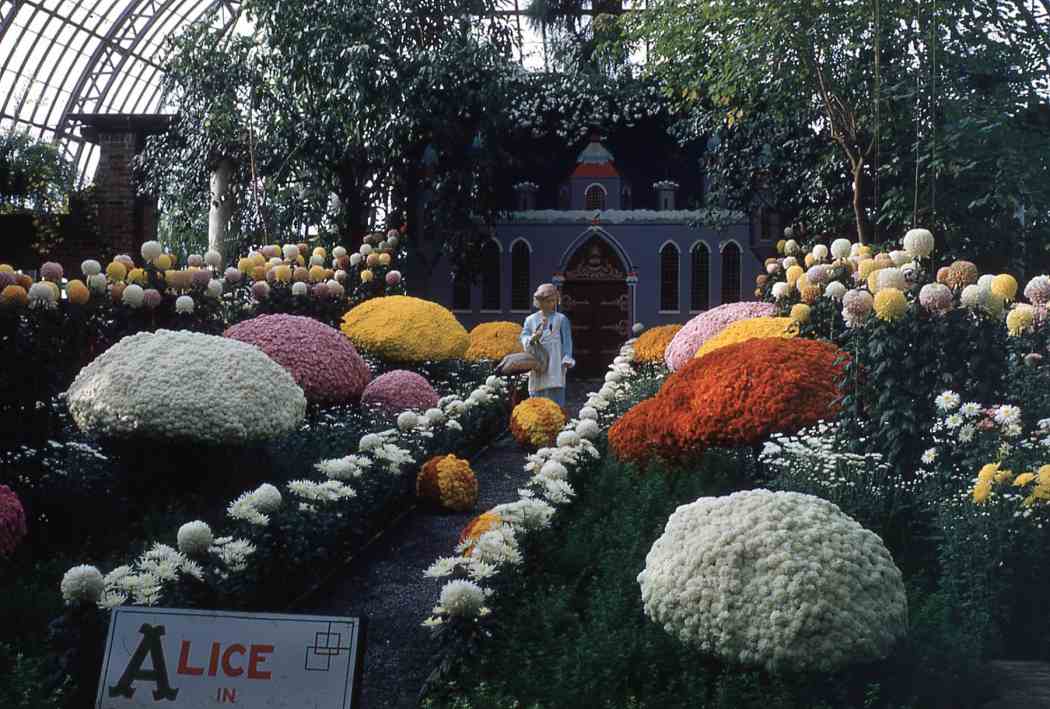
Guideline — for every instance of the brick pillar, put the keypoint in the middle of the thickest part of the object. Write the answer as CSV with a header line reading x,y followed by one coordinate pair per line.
x,y
115,194
124,219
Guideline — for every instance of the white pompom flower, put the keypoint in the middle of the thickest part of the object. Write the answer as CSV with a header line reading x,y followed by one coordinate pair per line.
x,y
588,428
133,296
407,420
195,538
567,439
184,305
82,584
213,258
151,250
91,267
589,412
267,498
462,599
919,242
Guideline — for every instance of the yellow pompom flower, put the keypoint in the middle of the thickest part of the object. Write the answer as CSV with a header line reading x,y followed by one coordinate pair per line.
x,y
809,260
367,276
116,271
1005,286
1020,319
493,340
793,274
372,259
802,283
77,292
400,328
651,345
780,246
1023,479
138,275
750,329
983,487
316,274
163,262
864,251
448,482
1041,491
810,294
536,422
6,268
865,268
282,273
890,304
320,251
384,259
800,313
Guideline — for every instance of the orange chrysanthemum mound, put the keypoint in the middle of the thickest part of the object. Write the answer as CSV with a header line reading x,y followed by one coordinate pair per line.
x,y
734,396
536,422
484,522
494,340
651,345
448,482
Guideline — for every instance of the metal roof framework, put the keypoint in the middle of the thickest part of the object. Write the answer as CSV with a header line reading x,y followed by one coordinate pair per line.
x,y
63,57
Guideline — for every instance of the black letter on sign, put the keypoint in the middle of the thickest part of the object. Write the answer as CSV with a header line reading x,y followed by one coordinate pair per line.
x,y
150,645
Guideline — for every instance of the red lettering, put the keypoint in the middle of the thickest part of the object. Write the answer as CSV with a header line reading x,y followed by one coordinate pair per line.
x,y
213,665
229,695
255,659
226,668
184,659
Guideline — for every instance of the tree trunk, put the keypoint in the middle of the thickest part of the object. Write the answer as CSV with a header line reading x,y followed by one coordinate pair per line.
x,y
221,205
863,225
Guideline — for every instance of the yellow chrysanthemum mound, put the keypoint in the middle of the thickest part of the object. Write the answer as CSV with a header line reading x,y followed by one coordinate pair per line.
x,y
448,482
536,422
400,328
651,345
750,329
494,340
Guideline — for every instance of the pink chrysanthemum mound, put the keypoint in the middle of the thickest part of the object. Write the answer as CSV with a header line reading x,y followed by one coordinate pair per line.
x,y
706,325
12,521
320,359
399,391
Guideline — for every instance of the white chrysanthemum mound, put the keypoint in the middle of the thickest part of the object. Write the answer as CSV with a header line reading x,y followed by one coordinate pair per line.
x,y
185,386
778,579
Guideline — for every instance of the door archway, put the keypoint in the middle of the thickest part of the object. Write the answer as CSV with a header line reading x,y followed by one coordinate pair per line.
x,y
596,300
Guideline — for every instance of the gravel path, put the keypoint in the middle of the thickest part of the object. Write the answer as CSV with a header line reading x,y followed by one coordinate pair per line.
x,y
385,584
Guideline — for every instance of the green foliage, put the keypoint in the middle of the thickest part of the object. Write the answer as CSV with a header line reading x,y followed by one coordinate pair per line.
x,y
944,122
570,630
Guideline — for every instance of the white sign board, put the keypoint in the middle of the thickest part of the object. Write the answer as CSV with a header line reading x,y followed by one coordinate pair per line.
x,y
163,657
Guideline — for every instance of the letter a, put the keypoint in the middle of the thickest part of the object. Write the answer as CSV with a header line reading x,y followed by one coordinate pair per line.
x,y
150,645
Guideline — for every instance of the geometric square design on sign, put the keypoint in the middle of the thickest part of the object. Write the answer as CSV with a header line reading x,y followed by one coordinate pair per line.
x,y
327,644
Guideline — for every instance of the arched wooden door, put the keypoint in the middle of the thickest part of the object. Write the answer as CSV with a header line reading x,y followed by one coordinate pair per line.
x,y
596,301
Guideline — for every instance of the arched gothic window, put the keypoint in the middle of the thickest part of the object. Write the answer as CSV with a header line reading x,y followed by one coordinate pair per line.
x,y
669,277
699,290
520,278
730,273
490,276
594,198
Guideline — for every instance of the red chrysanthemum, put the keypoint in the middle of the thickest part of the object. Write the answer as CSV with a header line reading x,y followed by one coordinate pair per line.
x,y
400,390
12,521
735,396
320,359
